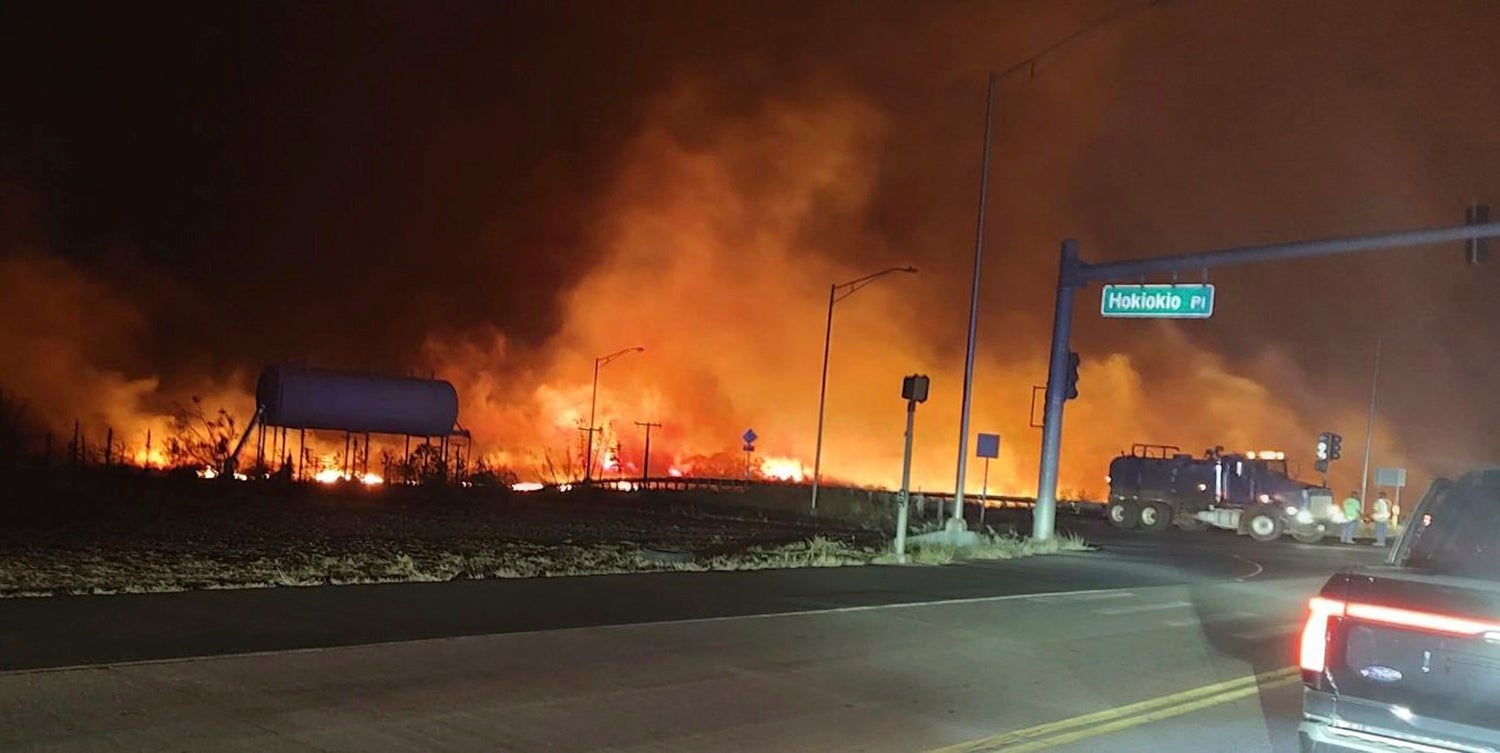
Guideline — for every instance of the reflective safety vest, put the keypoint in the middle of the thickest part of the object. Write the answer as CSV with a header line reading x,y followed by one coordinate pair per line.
x,y
1352,508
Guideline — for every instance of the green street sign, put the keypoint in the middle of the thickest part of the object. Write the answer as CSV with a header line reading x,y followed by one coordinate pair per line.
x,y
1194,301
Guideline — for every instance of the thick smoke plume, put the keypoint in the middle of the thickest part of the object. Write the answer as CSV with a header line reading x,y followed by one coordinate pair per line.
x,y
717,253
500,209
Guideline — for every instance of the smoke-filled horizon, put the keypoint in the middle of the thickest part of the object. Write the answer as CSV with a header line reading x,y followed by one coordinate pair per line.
x,y
498,196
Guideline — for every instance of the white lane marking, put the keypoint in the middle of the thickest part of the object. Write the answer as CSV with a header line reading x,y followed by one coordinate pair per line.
x,y
1275,631
1083,596
1258,568
581,628
1181,622
1144,608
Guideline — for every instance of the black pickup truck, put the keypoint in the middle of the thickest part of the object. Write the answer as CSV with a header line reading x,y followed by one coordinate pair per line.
x,y
1405,656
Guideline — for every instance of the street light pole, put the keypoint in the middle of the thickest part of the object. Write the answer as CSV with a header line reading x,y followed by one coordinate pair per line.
x,y
1364,476
588,469
836,293
963,422
822,396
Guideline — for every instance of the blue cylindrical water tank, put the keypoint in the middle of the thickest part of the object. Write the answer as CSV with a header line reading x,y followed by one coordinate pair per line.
x,y
298,398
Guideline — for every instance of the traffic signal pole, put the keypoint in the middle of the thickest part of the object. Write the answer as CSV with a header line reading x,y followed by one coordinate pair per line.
x,y
1045,513
1074,273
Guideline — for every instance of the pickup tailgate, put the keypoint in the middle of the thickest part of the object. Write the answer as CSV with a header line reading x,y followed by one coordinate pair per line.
x,y
1415,654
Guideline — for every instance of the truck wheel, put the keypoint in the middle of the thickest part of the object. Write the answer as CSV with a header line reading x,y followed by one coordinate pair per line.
x,y
1155,517
1308,534
1264,524
1191,524
1121,513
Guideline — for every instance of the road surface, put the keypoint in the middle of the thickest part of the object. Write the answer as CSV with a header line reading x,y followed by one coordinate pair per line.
x,y
1160,643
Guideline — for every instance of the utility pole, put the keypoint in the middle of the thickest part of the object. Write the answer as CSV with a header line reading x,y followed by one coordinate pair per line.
x,y
646,459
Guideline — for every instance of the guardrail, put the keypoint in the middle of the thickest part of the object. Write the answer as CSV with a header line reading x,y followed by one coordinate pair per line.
x,y
740,486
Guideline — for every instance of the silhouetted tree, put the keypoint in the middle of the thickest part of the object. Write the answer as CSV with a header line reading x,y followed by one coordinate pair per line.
x,y
199,440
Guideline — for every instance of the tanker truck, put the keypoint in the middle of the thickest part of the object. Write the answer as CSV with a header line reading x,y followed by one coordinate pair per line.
x,y
1154,487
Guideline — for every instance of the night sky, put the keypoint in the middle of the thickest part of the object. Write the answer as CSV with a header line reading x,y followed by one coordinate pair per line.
x,y
497,191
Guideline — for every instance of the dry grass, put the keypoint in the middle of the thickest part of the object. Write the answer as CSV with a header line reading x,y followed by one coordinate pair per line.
x,y
51,572
99,572
994,546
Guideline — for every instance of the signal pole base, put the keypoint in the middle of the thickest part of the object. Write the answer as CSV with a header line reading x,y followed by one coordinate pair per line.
x,y
958,533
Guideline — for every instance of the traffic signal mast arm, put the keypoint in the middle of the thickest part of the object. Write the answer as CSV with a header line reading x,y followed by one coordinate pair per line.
x,y
1073,273
1081,273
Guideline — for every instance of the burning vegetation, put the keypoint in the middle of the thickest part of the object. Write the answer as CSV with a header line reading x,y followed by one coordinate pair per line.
x,y
702,211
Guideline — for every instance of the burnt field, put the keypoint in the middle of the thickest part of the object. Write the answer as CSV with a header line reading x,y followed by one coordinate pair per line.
x,y
110,531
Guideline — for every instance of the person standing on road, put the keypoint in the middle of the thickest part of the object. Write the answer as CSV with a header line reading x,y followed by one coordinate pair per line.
x,y
1381,514
1352,512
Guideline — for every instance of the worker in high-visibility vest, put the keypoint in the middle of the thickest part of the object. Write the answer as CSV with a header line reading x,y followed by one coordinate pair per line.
x,y
1381,514
1353,510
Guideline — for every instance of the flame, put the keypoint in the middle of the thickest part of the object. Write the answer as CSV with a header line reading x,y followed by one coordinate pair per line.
x,y
329,476
155,458
674,472
782,469
527,486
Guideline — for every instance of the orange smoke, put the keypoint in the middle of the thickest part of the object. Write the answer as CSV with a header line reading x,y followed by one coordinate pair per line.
x,y
715,247
717,250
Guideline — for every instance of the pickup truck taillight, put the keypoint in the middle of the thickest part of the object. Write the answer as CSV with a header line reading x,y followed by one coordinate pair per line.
x,y
1314,649
1314,653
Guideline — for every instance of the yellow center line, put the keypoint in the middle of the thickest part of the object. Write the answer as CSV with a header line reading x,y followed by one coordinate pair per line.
x,y
1122,717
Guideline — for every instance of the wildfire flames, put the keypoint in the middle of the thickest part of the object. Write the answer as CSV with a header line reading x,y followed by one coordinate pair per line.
x,y
782,469
334,476
713,248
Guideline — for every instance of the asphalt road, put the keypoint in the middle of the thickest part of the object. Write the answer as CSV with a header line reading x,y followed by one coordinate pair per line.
x,y
1151,641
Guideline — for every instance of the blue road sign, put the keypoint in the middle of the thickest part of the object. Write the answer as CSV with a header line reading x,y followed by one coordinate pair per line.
x,y
989,445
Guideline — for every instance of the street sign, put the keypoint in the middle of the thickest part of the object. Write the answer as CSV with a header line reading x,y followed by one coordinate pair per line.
x,y
1390,477
750,436
749,447
1191,301
989,445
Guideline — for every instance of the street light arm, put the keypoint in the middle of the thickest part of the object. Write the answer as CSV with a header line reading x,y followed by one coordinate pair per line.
x,y
844,290
605,360
1029,63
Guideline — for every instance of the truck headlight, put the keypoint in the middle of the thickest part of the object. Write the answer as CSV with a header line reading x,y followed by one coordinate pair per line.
x,y
1291,511
1264,498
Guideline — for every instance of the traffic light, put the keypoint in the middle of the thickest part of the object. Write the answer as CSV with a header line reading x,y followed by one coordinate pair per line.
x,y
1335,447
1477,250
914,388
1323,446
1321,466
1071,383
